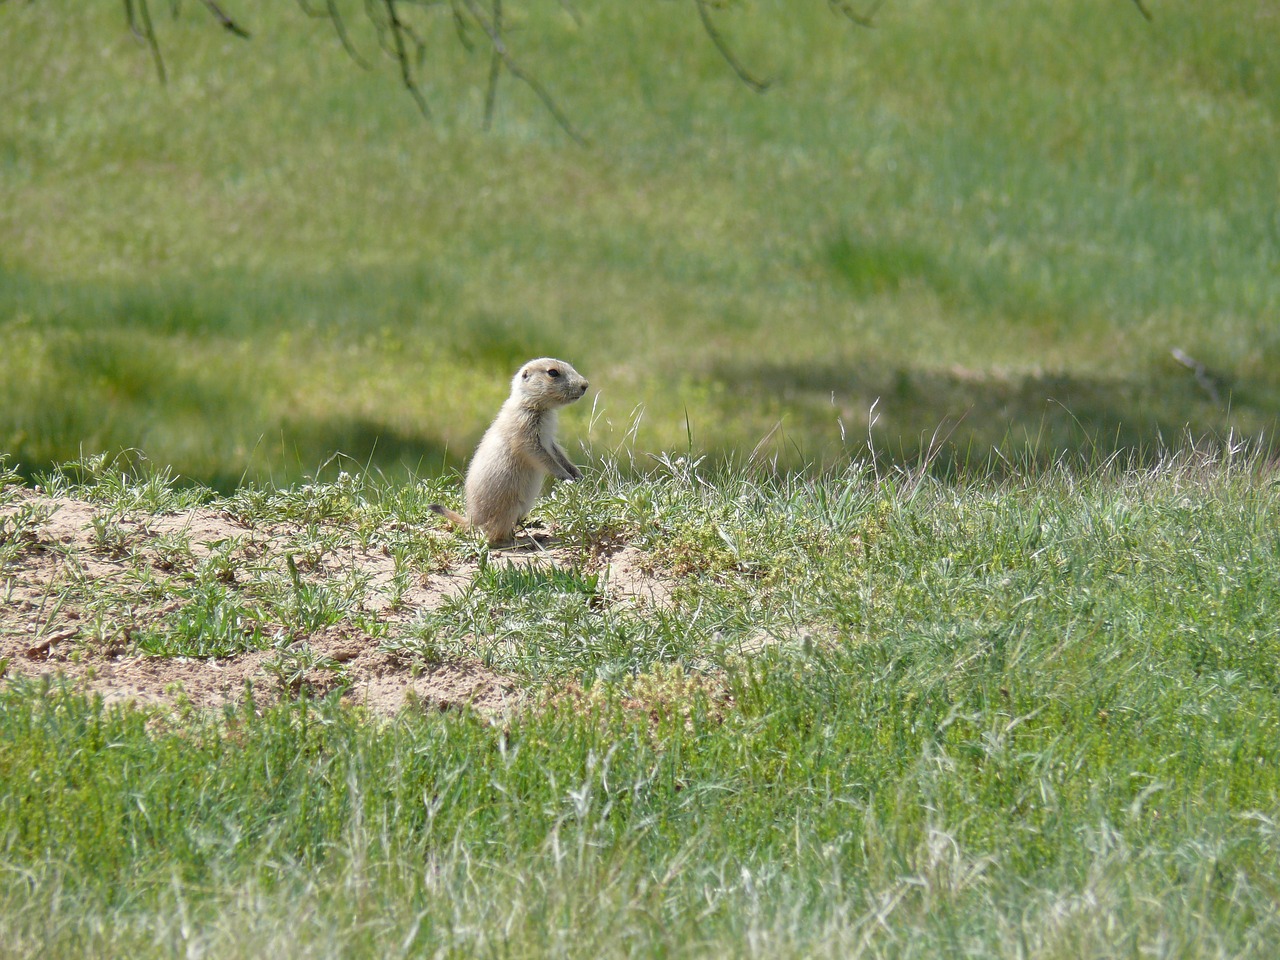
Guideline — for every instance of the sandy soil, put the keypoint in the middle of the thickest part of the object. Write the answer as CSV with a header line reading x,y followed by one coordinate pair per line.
x,y
47,629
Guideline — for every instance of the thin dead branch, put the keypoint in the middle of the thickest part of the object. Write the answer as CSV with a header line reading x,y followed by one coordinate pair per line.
x,y
334,16
759,86
400,33
846,10
226,21
394,21
1142,9
495,68
460,25
139,18
41,648
517,71
138,15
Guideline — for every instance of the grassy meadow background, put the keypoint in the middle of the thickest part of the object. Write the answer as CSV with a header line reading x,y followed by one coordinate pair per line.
x,y
997,220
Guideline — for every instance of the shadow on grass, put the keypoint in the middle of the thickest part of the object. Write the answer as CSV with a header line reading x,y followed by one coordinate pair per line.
x,y
119,395
317,449
960,419
103,374
321,448
212,432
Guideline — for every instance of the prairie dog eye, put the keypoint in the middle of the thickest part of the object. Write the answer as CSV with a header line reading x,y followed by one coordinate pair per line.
x,y
553,372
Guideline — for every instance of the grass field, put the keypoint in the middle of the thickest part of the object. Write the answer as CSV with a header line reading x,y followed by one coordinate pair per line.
x,y
878,717
998,220
968,641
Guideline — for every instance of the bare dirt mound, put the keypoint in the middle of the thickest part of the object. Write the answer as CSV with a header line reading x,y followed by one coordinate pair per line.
x,y
82,587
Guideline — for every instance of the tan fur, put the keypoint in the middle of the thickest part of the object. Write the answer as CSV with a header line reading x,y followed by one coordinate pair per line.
x,y
518,450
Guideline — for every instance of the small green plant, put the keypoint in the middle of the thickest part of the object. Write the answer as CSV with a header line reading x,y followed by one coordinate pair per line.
x,y
108,535
222,564
18,528
125,482
213,620
304,607
294,665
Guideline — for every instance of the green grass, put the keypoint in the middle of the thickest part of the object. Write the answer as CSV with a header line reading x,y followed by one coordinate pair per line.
x,y
884,716
997,219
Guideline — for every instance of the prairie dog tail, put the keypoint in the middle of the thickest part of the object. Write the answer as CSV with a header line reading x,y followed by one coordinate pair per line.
x,y
457,519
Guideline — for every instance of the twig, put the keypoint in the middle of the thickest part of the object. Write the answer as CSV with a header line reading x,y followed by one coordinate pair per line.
x,y
852,15
495,68
334,16
138,15
398,32
340,27
460,25
225,20
1143,10
140,26
759,86
519,73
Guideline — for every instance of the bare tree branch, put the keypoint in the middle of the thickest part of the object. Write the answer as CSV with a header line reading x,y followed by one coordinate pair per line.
x,y
844,8
138,15
225,20
399,32
140,26
1143,10
395,21
495,68
460,25
514,68
334,16
759,86
1207,381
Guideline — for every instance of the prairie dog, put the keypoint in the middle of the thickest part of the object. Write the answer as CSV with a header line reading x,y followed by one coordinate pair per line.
x,y
518,450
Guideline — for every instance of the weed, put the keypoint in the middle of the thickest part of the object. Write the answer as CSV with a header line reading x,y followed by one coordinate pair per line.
x,y
294,665
211,621
18,528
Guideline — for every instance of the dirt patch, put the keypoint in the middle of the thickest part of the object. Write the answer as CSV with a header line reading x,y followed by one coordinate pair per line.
x,y
82,582
368,676
629,575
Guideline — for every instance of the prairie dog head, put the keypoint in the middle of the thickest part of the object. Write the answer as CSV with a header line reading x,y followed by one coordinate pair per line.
x,y
547,382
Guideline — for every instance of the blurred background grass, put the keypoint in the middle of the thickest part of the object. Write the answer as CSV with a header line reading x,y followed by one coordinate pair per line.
x,y
989,222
